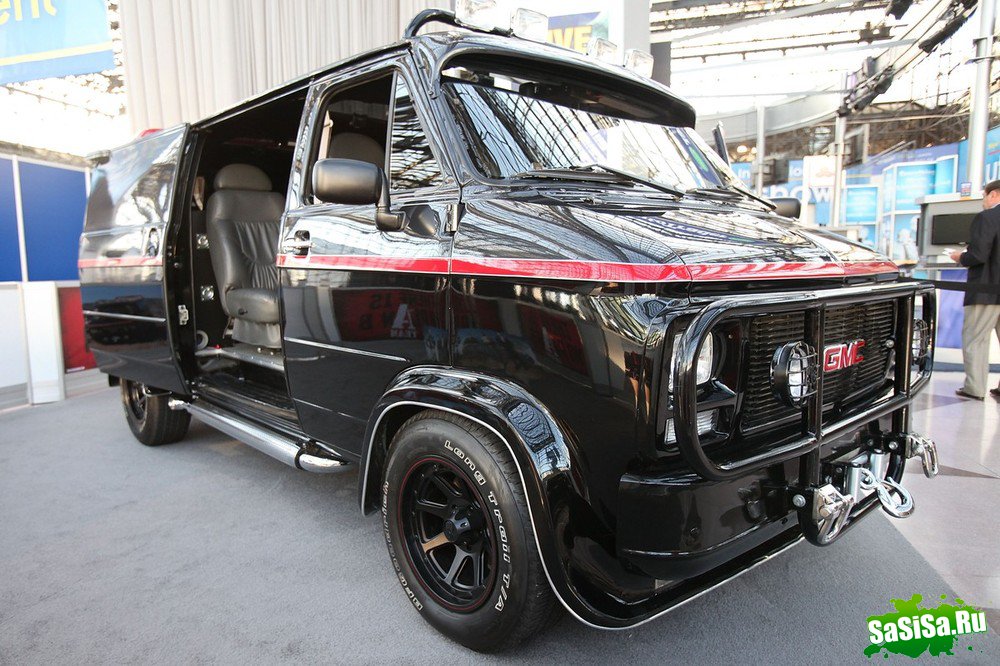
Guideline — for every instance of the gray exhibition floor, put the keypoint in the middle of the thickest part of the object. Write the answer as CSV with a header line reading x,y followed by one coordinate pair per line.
x,y
208,551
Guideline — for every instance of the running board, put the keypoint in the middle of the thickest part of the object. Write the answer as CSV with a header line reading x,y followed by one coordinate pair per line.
x,y
279,447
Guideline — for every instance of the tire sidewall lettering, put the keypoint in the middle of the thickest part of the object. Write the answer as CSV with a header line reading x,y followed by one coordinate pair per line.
x,y
400,575
504,561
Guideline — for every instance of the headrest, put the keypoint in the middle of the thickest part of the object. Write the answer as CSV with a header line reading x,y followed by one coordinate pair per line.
x,y
242,177
353,146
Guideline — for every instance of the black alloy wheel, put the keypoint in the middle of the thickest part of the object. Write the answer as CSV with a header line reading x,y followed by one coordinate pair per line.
x,y
459,533
134,395
449,537
149,415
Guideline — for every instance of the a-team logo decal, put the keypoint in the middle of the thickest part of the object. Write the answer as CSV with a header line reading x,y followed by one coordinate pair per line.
x,y
913,630
838,357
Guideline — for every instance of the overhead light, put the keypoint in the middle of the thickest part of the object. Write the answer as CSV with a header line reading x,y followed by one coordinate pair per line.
x,y
898,7
604,50
529,24
869,34
478,13
639,62
942,35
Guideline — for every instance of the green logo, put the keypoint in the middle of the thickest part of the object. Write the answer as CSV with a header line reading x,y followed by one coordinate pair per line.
x,y
913,630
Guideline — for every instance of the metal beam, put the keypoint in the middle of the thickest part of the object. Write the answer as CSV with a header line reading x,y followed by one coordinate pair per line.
x,y
798,56
979,106
768,17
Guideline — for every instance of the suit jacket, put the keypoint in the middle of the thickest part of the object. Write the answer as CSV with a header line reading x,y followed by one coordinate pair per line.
x,y
982,256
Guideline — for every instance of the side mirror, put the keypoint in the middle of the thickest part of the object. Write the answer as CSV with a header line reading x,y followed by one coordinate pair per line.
x,y
357,183
719,139
787,207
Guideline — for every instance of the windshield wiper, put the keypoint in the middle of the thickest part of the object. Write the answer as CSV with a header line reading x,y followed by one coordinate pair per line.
x,y
599,173
648,182
730,193
570,174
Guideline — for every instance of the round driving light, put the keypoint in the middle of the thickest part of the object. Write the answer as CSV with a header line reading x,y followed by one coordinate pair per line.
x,y
794,372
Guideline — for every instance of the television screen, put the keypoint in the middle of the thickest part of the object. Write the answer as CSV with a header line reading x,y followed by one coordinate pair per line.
x,y
951,228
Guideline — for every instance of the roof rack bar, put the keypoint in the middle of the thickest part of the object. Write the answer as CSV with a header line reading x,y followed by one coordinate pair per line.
x,y
449,18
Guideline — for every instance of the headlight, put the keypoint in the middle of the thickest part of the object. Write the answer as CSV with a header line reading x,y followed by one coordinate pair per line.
x,y
706,361
705,367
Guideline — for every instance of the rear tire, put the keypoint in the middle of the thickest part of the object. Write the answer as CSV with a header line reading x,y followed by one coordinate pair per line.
x,y
149,416
459,534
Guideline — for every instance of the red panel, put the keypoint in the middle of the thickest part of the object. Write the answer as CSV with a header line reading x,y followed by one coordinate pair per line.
x,y
76,356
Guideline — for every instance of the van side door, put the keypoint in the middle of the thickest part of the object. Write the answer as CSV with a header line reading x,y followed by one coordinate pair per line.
x,y
360,304
126,306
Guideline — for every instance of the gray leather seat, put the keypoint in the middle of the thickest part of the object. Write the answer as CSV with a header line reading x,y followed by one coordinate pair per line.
x,y
354,146
243,222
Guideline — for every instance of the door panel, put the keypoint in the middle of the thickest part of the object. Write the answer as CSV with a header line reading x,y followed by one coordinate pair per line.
x,y
121,260
359,308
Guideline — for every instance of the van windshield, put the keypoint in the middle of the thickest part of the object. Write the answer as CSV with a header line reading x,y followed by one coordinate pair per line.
x,y
517,126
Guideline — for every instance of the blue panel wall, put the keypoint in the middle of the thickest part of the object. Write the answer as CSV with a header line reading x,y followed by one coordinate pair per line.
x,y
53,202
10,253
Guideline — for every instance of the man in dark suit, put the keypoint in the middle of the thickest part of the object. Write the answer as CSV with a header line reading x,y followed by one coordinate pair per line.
x,y
982,309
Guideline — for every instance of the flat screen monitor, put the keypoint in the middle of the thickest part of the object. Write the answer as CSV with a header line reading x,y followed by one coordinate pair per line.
x,y
951,228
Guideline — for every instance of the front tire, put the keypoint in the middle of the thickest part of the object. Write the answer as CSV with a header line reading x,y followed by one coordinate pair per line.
x,y
149,416
459,534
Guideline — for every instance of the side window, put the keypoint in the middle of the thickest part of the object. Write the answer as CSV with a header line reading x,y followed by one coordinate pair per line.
x,y
411,163
353,123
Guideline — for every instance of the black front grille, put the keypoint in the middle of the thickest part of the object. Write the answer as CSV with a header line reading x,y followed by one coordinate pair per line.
x,y
872,322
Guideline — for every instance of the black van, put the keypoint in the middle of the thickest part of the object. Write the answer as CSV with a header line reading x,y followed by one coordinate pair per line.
x,y
574,362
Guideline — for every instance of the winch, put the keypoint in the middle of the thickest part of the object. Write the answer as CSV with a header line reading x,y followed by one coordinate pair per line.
x,y
855,483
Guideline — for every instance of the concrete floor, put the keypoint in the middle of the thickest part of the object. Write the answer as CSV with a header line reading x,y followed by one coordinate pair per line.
x,y
208,551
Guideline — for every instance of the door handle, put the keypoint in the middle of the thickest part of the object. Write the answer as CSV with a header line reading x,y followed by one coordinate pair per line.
x,y
292,245
298,244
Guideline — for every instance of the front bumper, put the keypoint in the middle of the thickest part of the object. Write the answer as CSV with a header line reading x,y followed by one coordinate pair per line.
x,y
703,527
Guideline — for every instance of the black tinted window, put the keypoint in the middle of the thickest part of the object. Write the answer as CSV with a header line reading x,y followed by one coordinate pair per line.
x,y
412,164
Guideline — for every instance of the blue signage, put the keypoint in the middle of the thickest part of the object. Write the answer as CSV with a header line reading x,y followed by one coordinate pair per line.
x,y
744,171
47,38
861,204
912,181
945,170
795,170
991,163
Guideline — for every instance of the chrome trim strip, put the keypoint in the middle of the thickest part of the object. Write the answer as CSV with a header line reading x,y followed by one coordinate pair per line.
x,y
117,315
531,517
360,352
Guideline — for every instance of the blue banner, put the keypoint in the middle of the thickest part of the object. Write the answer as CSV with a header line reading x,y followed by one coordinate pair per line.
x,y
991,164
912,182
944,175
574,31
861,204
744,171
50,38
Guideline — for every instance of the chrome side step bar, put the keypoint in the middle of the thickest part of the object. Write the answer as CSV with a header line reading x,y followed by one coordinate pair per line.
x,y
279,447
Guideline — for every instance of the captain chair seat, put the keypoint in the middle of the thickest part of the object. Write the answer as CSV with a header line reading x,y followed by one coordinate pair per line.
x,y
243,219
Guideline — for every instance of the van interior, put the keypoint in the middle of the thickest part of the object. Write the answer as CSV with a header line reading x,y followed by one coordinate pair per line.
x,y
230,232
